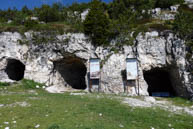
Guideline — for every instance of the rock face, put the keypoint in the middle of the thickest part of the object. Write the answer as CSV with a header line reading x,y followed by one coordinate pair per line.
x,y
63,64
10,50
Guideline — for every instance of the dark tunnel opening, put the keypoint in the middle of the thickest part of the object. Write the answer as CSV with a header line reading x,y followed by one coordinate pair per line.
x,y
15,69
159,83
73,71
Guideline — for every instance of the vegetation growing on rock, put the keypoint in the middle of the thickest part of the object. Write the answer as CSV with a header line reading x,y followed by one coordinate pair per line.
x,y
167,3
183,27
97,24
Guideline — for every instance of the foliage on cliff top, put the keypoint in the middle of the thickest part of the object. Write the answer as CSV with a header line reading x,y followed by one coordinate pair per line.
x,y
167,3
20,20
97,24
115,20
183,23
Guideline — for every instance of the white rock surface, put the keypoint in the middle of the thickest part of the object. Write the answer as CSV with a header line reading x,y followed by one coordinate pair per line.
x,y
153,50
77,93
37,126
151,102
84,14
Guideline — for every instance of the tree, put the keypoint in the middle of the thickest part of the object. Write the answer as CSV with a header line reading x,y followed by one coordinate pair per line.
x,y
10,14
47,14
25,11
79,7
97,24
167,3
57,6
129,7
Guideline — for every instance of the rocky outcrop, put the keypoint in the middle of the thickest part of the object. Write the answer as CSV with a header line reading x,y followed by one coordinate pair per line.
x,y
189,3
64,63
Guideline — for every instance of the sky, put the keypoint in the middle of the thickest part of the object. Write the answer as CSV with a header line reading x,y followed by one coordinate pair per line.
x,y
5,4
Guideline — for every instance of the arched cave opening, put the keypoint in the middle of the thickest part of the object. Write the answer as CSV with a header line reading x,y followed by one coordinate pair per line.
x,y
15,69
73,71
159,82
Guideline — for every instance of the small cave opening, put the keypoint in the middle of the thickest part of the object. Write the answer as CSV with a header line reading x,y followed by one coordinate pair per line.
x,y
159,82
15,69
73,71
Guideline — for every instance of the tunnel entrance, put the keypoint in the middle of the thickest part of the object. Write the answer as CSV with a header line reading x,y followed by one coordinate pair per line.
x,y
15,69
159,83
73,71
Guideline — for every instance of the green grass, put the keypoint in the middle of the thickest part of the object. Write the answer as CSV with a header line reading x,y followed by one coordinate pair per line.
x,y
65,111
4,27
30,84
4,84
177,101
180,101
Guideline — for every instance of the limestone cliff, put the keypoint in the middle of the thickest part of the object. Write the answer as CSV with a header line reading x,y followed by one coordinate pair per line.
x,y
63,64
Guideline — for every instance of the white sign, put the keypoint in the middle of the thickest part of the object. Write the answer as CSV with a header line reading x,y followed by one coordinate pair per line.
x,y
131,68
94,68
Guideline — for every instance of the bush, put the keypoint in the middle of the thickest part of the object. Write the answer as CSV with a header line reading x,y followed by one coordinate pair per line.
x,y
167,3
47,14
183,24
19,19
2,20
126,8
29,24
4,84
159,27
30,84
184,7
183,27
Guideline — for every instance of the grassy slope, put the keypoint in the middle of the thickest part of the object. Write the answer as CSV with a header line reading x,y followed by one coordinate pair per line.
x,y
82,112
59,27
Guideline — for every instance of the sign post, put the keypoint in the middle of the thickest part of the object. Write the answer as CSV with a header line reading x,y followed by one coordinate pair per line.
x,y
94,73
132,70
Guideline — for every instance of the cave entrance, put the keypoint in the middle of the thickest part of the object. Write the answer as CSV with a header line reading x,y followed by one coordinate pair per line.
x,y
15,69
159,82
73,71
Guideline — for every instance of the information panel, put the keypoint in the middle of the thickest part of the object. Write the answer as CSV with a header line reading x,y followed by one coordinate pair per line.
x,y
131,68
94,68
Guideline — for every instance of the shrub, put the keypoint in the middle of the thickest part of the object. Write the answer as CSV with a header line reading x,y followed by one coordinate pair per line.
x,y
47,14
167,3
29,24
4,84
183,27
30,84
2,20
19,19
183,24
159,27
185,7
